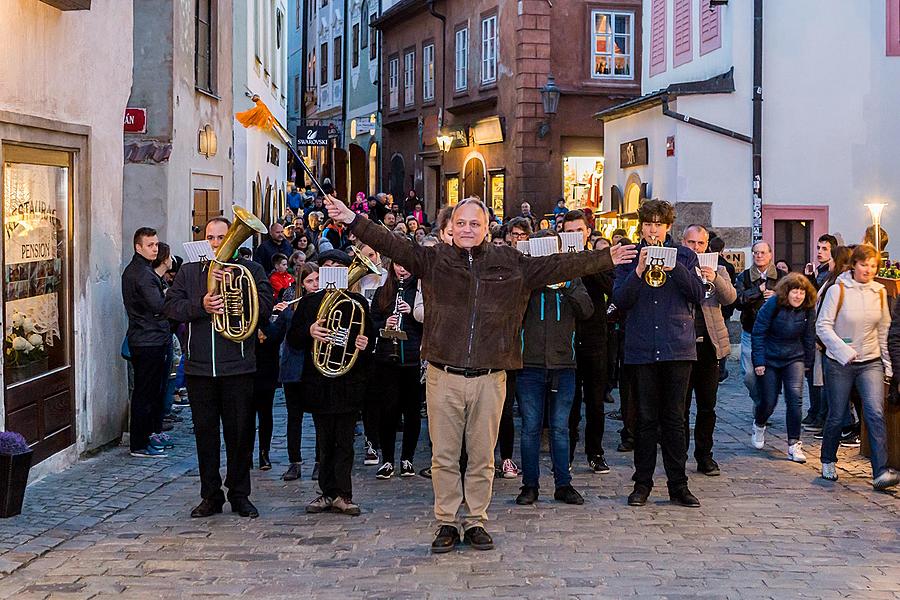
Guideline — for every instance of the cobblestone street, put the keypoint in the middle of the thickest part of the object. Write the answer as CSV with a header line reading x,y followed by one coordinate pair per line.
x,y
768,528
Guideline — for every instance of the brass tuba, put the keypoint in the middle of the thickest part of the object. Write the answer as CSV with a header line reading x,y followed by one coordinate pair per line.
x,y
238,289
343,316
655,276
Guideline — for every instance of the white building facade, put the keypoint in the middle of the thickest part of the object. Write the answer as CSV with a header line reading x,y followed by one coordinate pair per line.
x,y
260,69
828,125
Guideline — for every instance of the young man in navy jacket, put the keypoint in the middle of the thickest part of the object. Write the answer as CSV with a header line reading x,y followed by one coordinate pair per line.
x,y
660,343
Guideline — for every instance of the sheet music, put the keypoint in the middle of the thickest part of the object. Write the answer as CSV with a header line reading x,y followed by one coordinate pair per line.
x,y
664,256
709,259
523,247
572,241
197,251
545,246
336,276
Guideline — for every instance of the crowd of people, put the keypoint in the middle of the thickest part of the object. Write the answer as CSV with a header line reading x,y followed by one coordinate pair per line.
x,y
486,329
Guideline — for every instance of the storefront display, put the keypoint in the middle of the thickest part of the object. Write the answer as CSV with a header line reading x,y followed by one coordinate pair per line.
x,y
452,190
583,181
498,192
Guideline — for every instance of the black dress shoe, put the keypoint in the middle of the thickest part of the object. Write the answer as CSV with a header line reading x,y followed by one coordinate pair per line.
x,y
479,539
638,497
528,495
708,466
244,508
568,494
625,446
445,540
684,497
264,463
207,508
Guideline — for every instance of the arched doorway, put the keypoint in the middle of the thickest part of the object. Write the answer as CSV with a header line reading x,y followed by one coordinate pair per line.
x,y
398,175
473,178
358,164
373,168
340,174
633,191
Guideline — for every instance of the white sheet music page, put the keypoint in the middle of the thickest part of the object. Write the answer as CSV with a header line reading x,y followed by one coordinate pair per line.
x,y
663,256
197,251
543,246
523,247
572,241
336,276
709,259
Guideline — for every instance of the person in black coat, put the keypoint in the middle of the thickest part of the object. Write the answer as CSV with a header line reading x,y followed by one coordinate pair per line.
x,y
334,402
398,365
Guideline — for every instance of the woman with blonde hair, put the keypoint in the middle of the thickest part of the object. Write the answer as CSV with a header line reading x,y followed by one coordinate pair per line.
x,y
784,344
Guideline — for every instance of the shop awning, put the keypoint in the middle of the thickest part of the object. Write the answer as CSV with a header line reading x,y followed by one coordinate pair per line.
x,y
720,84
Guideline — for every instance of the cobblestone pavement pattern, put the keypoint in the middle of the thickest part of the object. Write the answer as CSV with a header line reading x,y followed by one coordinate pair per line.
x,y
768,528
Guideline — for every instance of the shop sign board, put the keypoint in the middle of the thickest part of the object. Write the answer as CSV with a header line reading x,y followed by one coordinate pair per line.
x,y
135,120
633,154
312,135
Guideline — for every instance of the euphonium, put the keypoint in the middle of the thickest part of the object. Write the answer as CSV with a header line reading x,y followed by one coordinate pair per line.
x,y
343,316
237,288
655,276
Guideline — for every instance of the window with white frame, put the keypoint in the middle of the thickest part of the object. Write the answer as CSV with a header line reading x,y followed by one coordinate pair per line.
x,y
409,78
462,59
394,83
428,73
489,49
612,54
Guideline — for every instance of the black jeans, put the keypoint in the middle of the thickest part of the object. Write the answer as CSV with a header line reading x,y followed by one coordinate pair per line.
x,y
401,395
293,400
661,388
227,400
335,435
507,433
263,398
628,402
704,384
151,374
590,387
371,414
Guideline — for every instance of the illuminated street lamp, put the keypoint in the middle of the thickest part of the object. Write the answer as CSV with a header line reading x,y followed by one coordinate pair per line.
x,y
875,209
444,142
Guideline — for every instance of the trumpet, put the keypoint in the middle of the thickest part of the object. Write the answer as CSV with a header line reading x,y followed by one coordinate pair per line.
x,y
655,276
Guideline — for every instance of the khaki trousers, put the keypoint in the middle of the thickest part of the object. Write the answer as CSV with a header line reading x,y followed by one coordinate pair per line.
x,y
470,409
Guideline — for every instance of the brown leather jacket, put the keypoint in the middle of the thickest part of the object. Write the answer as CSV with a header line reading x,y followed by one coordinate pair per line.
x,y
475,300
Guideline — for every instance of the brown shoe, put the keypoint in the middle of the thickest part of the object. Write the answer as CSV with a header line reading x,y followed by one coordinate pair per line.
x,y
345,506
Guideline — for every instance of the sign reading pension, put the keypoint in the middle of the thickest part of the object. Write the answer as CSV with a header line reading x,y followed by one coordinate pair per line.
x,y
312,135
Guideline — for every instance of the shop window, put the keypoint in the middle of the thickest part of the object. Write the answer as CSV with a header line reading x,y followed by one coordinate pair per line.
x,y
583,181
452,190
498,192
612,53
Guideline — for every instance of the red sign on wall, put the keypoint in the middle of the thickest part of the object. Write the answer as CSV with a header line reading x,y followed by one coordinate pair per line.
x,y
135,120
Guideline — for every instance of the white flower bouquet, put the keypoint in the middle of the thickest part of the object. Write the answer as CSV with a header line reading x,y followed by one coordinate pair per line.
x,y
22,345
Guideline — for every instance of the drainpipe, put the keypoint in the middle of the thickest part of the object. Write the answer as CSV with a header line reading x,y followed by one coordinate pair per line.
x,y
345,75
443,20
702,124
301,102
756,231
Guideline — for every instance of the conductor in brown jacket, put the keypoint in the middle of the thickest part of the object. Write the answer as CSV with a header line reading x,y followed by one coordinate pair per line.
x,y
475,297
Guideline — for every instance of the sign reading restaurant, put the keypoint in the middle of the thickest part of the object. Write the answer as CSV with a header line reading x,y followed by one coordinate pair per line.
x,y
633,154
312,135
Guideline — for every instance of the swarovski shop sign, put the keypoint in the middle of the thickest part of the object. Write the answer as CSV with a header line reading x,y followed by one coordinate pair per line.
x,y
312,135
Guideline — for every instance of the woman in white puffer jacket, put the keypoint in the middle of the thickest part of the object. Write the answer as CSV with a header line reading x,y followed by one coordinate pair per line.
x,y
853,324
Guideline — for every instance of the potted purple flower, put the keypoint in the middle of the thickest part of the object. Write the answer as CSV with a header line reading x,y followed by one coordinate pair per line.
x,y
15,462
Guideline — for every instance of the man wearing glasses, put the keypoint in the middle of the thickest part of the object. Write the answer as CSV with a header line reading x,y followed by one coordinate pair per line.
x,y
754,286
519,229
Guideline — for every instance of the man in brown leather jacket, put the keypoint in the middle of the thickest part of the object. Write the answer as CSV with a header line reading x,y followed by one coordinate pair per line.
x,y
475,296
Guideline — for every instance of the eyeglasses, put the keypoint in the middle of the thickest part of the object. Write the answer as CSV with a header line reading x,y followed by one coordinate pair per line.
x,y
760,252
518,235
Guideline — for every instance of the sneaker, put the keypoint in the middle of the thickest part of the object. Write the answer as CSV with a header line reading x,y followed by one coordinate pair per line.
x,y
569,495
509,469
371,455
813,427
149,452
795,453
407,469
426,473
888,478
385,471
345,506
162,441
809,419
851,441
819,435
319,505
293,473
758,439
598,465
615,415
315,473
829,471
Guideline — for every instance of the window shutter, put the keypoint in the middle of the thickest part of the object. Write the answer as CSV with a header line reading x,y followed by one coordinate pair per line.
x,y
710,27
657,37
681,38
893,27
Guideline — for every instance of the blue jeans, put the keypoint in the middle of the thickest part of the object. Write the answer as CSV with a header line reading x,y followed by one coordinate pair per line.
x,y
751,381
791,375
868,377
534,388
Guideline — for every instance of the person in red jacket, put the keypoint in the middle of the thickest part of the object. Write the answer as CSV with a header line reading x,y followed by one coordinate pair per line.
x,y
279,277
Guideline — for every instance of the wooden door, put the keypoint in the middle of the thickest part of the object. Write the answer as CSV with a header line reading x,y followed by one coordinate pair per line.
x,y
39,398
206,206
473,179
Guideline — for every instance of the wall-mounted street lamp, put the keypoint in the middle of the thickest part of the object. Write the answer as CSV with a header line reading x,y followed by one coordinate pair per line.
x,y
444,142
875,209
550,98
208,144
